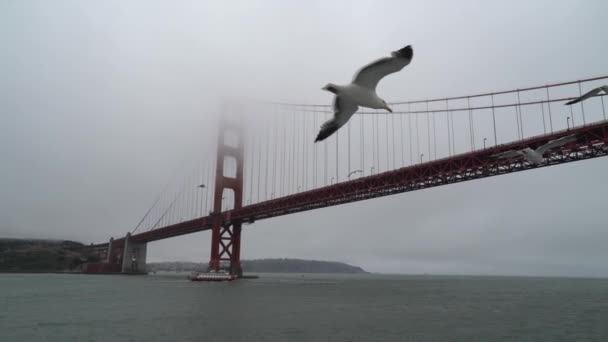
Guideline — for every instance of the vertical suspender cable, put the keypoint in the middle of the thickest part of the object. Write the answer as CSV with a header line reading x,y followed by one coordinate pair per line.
x,y
304,152
417,138
361,144
259,144
251,159
284,148
472,122
549,106
206,190
325,143
580,93
453,133
393,129
447,119
521,117
401,138
193,202
266,162
434,137
494,121
348,145
275,123
409,127
377,139
293,153
603,108
373,119
517,123
542,110
337,154
387,150
200,191
428,130
314,151
298,155
307,164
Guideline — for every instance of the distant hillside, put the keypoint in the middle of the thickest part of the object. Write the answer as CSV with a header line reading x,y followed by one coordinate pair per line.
x,y
265,266
26,255
21,255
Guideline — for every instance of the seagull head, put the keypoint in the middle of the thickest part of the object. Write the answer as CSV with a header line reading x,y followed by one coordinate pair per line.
x,y
331,88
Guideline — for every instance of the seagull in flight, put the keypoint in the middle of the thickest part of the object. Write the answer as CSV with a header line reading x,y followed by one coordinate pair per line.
x,y
590,93
536,156
362,90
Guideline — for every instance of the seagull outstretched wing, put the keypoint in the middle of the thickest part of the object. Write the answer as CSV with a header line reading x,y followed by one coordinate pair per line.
x,y
589,94
343,110
555,143
371,74
508,154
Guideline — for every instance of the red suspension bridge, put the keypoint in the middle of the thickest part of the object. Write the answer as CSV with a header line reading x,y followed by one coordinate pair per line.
x,y
266,163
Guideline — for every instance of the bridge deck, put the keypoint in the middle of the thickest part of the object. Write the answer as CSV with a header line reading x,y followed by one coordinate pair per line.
x,y
592,142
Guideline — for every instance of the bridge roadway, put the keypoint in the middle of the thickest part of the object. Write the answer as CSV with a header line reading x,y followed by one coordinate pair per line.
x,y
592,142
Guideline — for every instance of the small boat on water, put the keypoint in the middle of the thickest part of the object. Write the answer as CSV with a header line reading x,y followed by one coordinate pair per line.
x,y
212,275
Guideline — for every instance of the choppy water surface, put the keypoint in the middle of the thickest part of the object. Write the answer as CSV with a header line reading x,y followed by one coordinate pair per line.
x,y
50,307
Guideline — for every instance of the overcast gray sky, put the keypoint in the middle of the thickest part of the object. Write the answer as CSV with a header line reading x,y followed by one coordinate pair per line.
x,y
100,102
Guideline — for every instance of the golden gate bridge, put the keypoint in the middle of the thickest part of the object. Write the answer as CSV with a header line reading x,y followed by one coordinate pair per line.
x,y
266,163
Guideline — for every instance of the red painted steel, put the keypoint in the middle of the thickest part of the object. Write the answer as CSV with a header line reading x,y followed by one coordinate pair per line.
x,y
225,236
592,142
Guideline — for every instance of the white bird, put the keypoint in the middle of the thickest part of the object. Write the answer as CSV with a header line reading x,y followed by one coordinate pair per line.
x,y
536,156
590,93
362,90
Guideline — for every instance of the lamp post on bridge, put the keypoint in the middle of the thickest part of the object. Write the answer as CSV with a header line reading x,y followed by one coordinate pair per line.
x,y
484,143
421,155
568,122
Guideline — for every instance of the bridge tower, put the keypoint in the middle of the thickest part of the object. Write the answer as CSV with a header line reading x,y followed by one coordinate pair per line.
x,y
226,234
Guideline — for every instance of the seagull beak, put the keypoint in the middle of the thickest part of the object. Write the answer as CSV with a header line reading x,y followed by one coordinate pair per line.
x,y
389,109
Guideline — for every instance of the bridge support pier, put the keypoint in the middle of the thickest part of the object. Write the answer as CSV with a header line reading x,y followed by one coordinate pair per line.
x,y
110,262
134,256
226,247
109,251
